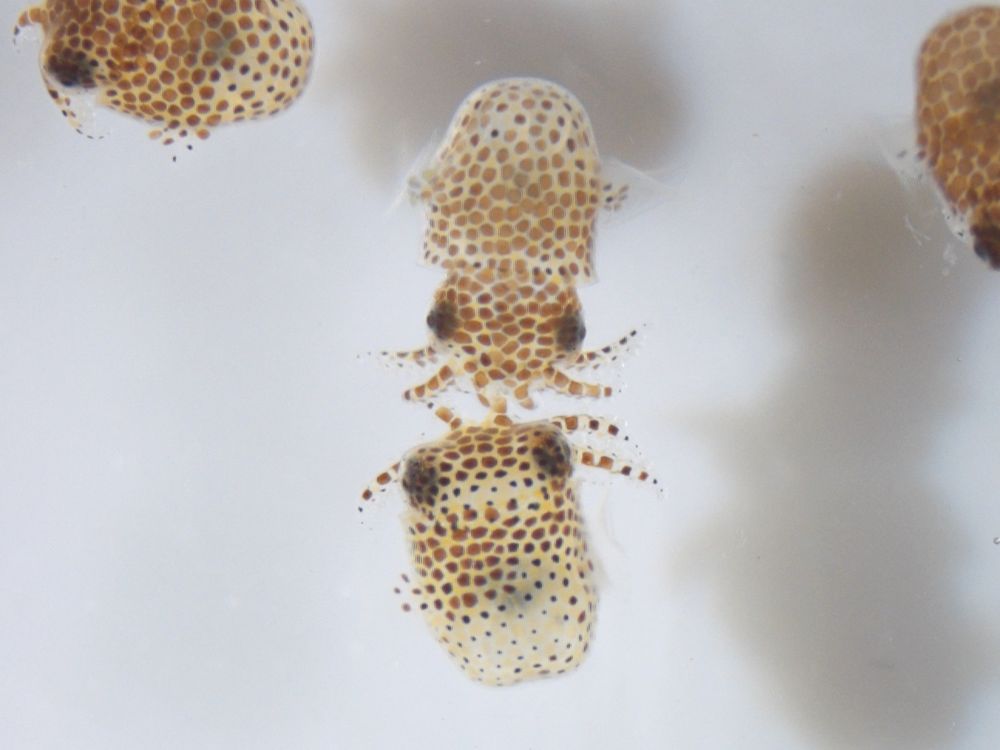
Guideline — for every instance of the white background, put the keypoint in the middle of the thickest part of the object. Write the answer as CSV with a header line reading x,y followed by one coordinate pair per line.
x,y
185,425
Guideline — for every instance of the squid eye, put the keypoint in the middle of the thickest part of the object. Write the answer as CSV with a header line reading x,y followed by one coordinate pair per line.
x,y
443,319
988,249
570,332
420,481
553,456
72,69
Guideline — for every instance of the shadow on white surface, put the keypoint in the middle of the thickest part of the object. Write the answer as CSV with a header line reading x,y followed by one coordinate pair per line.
x,y
836,561
404,67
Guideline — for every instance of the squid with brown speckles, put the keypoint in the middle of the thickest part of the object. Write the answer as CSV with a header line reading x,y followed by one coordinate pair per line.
x,y
501,569
184,66
500,565
511,197
958,117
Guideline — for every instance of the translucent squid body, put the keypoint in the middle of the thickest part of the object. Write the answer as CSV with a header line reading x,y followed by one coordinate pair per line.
x,y
516,184
507,333
958,116
501,570
185,66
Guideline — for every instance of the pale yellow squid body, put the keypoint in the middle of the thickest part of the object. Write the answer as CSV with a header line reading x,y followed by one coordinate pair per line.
x,y
501,568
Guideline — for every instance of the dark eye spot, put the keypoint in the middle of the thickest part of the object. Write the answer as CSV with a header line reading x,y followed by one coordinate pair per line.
x,y
443,319
570,332
553,456
71,69
987,99
420,481
987,243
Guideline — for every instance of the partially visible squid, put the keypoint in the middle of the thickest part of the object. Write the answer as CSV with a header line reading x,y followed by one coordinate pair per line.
x,y
958,116
184,66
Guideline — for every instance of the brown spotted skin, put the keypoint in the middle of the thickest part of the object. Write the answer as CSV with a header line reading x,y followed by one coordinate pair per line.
x,y
507,334
502,572
501,569
958,116
184,66
516,183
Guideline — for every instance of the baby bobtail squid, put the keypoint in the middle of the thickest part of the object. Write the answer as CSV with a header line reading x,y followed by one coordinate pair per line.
x,y
508,334
501,570
184,66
